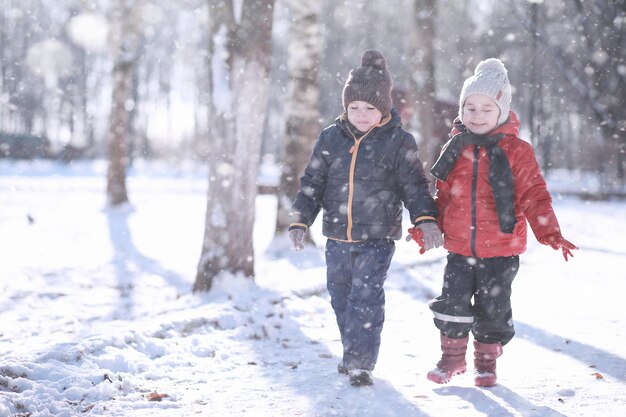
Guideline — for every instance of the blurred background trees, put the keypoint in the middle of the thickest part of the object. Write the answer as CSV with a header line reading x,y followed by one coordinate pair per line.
x,y
79,79
566,63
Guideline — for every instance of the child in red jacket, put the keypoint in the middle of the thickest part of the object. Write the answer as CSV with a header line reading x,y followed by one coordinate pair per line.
x,y
488,185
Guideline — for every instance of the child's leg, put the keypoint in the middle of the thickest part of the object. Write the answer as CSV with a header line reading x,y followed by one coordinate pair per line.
x,y
494,316
339,259
492,301
454,315
364,311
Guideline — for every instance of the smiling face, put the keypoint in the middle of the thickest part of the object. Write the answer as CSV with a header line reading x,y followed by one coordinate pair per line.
x,y
363,115
480,114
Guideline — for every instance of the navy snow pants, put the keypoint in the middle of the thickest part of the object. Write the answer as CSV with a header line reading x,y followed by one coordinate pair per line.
x,y
488,281
356,273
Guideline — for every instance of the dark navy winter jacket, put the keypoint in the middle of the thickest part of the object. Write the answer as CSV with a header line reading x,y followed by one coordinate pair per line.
x,y
361,183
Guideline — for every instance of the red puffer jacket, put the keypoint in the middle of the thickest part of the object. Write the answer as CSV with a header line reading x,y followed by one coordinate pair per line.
x,y
467,210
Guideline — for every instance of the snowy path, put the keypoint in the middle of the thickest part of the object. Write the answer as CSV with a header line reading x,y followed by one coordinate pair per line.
x,y
97,318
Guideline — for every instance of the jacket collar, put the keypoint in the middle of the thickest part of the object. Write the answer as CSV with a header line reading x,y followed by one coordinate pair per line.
x,y
392,120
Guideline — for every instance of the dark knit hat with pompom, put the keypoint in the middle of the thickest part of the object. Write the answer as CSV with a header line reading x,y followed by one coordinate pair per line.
x,y
371,83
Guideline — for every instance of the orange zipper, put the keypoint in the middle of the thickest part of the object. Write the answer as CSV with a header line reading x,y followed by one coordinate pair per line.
x,y
354,150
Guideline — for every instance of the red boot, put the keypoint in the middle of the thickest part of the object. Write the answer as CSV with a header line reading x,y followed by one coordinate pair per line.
x,y
452,360
485,355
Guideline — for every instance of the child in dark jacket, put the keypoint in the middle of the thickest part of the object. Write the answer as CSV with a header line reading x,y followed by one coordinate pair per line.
x,y
364,167
488,185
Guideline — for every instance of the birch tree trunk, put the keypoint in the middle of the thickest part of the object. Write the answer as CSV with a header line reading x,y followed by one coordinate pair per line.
x,y
125,40
236,124
423,79
302,127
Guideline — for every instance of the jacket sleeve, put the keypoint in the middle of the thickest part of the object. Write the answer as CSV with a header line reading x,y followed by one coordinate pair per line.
x,y
442,198
308,200
414,185
532,194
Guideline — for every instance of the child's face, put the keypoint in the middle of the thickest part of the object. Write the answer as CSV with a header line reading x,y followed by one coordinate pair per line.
x,y
480,114
363,115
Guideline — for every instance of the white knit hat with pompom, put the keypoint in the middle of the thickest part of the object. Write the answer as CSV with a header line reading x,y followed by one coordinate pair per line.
x,y
490,78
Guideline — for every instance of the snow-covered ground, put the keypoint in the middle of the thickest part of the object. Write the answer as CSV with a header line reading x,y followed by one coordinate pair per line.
x,y
98,319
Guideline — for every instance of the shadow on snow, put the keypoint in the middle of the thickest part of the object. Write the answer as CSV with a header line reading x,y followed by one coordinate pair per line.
x,y
485,403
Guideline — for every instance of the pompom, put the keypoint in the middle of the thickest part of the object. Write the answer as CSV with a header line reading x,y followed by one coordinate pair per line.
x,y
491,64
373,58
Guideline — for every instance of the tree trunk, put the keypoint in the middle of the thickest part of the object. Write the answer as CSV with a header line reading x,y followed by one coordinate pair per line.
x,y
236,130
3,65
118,132
423,79
302,127
594,72
126,32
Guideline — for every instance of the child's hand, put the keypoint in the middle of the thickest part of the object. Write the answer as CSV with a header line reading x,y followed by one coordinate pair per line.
x,y
427,236
556,241
418,236
297,239
432,235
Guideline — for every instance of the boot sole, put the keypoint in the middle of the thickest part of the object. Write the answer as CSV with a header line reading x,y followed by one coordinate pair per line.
x,y
485,384
442,378
486,381
360,378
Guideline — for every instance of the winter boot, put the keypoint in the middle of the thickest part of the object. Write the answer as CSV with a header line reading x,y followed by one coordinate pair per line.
x,y
485,355
360,377
452,360
342,369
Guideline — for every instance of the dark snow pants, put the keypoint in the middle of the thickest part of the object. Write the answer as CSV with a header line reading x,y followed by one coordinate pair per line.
x,y
356,273
488,281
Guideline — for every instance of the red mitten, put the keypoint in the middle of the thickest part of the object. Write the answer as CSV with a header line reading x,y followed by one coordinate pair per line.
x,y
556,241
417,235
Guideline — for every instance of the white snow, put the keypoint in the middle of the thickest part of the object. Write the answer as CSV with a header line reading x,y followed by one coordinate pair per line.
x,y
98,317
